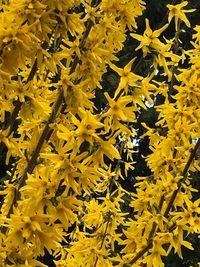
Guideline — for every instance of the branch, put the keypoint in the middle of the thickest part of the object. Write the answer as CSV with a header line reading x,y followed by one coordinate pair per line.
x,y
14,115
103,238
154,225
139,254
184,174
19,104
47,131
110,190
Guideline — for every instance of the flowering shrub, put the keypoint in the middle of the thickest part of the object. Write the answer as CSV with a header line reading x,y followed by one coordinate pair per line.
x,y
62,193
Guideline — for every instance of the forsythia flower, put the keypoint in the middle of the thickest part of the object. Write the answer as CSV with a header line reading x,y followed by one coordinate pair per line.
x,y
70,141
179,13
127,78
150,39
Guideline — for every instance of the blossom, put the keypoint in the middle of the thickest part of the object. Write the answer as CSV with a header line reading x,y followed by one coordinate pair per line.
x,y
126,76
179,13
150,39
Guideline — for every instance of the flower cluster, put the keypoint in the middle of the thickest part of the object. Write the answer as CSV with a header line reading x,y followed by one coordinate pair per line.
x,y
62,193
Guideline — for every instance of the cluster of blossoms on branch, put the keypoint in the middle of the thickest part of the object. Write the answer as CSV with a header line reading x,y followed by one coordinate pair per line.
x,y
62,192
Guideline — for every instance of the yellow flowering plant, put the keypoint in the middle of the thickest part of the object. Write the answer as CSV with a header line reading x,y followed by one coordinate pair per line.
x,y
67,159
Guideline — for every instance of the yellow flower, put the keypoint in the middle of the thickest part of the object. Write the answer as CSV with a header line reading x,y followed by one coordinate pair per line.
x,y
9,193
86,127
94,215
179,13
118,110
150,39
92,13
108,149
65,133
154,259
126,76
35,228
66,210
5,106
176,240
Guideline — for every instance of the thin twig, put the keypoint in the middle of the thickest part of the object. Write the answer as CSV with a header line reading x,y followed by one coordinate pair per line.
x,y
169,206
110,190
47,130
154,225
102,241
184,174
18,105
139,254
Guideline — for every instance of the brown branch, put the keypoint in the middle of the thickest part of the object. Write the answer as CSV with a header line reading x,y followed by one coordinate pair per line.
x,y
139,254
179,184
3,46
184,174
47,131
154,225
14,115
169,206
32,162
110,190
102,241
176,46
19,104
